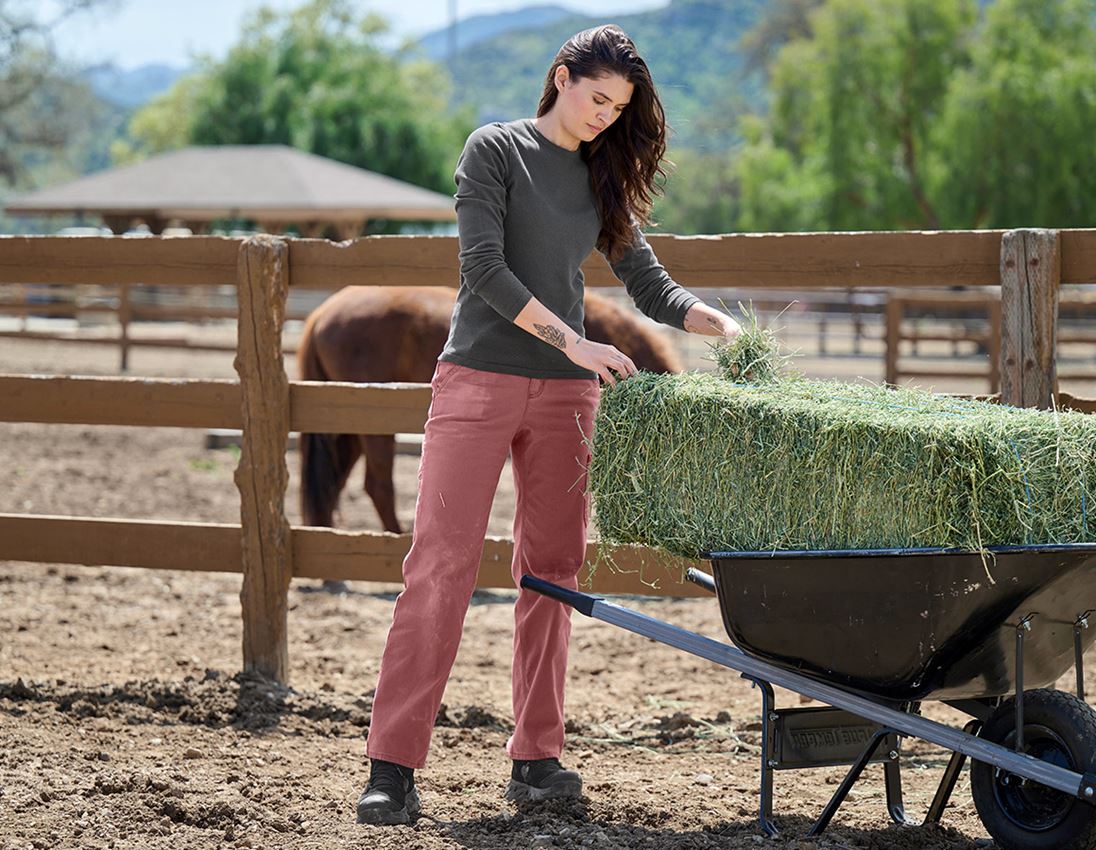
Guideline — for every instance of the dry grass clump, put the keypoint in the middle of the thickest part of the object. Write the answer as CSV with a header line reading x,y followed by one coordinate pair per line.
x,y
693,462
752,357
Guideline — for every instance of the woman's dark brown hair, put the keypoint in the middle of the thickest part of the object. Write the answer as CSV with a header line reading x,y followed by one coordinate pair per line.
x,y
625,160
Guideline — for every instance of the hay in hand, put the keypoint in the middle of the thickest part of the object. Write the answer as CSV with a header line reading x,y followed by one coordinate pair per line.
x,y
692,462
752,357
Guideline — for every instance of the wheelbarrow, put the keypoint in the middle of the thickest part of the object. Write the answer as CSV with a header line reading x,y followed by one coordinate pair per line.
x,y
872,634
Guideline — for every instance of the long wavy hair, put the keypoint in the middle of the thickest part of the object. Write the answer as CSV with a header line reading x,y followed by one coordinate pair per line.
x,y
625,160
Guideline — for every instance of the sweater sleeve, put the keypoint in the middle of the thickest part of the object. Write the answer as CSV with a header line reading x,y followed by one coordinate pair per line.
x,y
481,177
652,290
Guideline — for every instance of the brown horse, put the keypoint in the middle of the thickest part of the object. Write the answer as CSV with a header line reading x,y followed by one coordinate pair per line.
x,y
395,333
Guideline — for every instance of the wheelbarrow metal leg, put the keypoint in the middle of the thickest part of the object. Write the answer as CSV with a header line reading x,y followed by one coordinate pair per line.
x,y
768,706
950,777
892,773
1023,626
850,779
1078,654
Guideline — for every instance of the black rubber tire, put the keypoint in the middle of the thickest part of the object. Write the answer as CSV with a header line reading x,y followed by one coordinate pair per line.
x,y
1059,728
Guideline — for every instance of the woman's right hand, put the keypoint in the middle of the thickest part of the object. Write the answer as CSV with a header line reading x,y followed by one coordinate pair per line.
x,y
603,359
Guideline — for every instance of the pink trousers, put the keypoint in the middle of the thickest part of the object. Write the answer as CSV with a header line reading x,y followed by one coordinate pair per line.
x,y
476,418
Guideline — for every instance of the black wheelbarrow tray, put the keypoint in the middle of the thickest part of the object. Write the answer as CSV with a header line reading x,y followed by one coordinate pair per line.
x,y
874,633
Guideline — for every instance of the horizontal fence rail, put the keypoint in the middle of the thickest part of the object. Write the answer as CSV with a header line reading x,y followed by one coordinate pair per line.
x,y
783,260
823,261
317,553
314,406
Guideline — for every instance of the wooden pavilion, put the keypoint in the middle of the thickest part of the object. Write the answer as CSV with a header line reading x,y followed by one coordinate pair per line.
x,y
275,186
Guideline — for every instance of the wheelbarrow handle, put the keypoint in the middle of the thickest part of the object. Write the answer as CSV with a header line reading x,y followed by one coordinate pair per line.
x,y
584,603
581,602
912,725
701,578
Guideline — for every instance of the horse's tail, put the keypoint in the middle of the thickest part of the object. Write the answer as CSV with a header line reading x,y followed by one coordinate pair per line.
x,y
325,458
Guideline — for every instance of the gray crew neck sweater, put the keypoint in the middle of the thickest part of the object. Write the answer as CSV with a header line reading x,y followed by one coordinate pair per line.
x,y
527,219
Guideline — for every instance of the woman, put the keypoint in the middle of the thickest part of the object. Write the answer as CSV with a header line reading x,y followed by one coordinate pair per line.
x,y
534,197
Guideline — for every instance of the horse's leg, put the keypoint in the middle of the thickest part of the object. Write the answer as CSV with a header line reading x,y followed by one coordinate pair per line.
x,y
326,461
380,455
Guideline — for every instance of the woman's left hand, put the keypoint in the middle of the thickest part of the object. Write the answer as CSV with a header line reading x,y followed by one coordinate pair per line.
x,y
702,319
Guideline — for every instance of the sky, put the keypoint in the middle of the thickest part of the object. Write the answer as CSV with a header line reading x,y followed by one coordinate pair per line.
x,y
131,33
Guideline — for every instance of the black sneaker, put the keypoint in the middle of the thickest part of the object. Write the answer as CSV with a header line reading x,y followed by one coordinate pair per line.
x,y
390,797
542,779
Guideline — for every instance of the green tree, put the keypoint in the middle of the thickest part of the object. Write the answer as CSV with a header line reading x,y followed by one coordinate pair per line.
x,y
52,126
1019,131
162,124
701,194
773,192
853,107
44,107
316,79
782,21
704,192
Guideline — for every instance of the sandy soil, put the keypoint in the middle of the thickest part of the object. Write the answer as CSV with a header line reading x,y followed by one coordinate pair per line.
x,y
125,722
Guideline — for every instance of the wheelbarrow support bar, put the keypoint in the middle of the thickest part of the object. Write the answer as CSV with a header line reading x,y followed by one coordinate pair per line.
x,y
1020,764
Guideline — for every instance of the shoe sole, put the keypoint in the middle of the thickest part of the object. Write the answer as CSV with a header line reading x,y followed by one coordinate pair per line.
x,y
377,817
520,792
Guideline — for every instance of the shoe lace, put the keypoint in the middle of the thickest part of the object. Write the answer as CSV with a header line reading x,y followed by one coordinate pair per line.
x,y
389,779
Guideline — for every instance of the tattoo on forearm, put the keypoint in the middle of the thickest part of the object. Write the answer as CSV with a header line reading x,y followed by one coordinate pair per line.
x,y
551,335
703,324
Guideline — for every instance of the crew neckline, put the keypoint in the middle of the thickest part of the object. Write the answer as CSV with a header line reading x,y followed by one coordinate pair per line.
x,y
552,145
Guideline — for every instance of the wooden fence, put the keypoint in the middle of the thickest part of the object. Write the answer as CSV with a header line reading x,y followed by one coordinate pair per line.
x,y
120,304
1028,266
981,325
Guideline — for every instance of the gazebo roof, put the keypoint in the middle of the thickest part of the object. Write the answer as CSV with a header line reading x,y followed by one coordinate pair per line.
x,y
240,181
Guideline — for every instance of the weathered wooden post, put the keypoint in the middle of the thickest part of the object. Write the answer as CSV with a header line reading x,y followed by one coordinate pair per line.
x,y
262,280
125,316
993,345
894,310
1031,271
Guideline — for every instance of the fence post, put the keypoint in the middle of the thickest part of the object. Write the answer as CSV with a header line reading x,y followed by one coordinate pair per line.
x,y
262,279
894,310
993,345
1031,271
125,315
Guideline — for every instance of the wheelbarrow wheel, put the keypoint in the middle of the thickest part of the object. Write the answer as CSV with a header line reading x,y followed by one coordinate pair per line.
x,y
1024,815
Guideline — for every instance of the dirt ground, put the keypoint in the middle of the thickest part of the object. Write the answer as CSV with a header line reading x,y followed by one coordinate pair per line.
x,y
125,722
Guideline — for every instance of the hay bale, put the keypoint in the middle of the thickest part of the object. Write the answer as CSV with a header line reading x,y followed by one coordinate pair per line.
x,y
693,462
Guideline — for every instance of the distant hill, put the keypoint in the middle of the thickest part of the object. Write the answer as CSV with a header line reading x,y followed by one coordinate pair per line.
x,y
134,88
478,28
130,89
690,45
